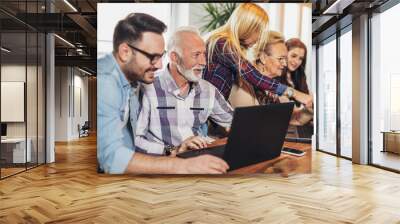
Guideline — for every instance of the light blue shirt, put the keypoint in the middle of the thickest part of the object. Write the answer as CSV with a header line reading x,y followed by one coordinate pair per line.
x,y
117,111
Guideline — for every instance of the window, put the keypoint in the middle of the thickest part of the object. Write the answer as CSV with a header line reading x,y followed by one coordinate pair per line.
x,y
22,68
327,96
333,137
385,88
346,94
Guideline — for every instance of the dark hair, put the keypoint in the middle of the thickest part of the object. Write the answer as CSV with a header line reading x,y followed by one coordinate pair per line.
x,y
133,26
298,77
297,43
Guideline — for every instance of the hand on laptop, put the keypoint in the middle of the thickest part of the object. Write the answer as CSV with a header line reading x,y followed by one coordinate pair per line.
x,y
193,142
204,164
300,116
303,98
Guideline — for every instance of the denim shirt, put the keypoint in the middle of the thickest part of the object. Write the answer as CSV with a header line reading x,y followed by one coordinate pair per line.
x,y
117,111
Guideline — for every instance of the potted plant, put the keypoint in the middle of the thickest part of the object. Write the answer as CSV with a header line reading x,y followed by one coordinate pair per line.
x,y
218,15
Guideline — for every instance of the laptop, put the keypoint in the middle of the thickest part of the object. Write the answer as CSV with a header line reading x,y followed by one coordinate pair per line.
x,y
257,134
301,133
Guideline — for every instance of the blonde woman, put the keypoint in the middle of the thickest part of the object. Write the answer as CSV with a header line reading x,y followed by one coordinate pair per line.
x,y
226,54
271,61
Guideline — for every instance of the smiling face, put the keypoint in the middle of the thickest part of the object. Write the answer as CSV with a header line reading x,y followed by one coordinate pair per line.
x,y
275,60
137,66
192,60
295,58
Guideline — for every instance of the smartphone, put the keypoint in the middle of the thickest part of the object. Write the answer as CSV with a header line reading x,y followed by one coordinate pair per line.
x,y
294,152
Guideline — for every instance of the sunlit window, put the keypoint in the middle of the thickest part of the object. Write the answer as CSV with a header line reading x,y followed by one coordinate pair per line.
x,y
346,94
327,97
385,85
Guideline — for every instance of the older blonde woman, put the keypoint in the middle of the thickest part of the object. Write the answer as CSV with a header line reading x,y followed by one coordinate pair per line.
x,y
226,54
271,61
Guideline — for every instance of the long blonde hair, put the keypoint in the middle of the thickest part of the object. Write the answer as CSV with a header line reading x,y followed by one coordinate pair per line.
x,y
246,19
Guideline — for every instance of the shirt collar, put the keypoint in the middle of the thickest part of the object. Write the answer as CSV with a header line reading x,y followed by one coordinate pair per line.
x,y
170,83
124,81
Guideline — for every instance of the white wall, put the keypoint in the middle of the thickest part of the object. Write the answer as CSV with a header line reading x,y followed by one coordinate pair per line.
x,y
196,15
69,82
33,127
13,101
12,73
108,15
79,117
61,103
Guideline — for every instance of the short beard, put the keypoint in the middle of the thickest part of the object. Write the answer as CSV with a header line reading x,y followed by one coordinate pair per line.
x,y
128,71
188,74
132,76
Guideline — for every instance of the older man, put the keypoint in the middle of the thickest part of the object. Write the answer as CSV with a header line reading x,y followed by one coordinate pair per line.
x,y
179,102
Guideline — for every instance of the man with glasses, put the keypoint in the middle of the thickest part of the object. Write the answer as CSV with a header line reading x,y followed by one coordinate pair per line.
x,y
179,102
138,47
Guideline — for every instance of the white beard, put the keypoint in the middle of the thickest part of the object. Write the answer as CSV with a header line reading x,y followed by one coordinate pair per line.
x,y
188,74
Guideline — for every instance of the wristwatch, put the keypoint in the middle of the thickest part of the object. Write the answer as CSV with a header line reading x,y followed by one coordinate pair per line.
x,y
289,92
168,149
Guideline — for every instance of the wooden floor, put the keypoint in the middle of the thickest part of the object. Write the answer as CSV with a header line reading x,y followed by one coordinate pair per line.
x,y
70,191
387,159
5,172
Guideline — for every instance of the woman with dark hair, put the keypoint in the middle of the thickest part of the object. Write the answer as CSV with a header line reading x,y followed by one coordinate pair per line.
x,y
295,76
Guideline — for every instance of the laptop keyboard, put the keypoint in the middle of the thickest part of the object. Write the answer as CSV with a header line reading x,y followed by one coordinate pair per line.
x,y
217,151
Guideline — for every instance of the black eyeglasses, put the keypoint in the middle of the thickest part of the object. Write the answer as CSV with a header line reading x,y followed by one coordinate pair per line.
x,y
154,58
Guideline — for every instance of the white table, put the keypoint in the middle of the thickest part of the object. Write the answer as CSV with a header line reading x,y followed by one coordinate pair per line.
x,y
18,149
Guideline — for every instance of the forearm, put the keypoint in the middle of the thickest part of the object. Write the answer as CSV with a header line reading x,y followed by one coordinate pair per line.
x,y
149,146
257,79
249,72
292,93
145,164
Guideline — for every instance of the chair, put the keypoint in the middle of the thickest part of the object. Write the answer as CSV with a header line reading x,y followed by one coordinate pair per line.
x,y
84,130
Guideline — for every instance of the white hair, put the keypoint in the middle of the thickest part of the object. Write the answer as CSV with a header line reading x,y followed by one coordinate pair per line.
x,y
174,43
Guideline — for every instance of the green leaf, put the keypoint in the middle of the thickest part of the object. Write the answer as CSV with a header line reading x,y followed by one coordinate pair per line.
x,y
218,15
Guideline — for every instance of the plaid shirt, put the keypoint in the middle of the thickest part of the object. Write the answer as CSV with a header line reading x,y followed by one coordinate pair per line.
x,y
166,118
222,71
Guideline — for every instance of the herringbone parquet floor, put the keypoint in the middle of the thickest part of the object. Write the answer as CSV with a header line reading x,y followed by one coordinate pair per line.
x,y
70,191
